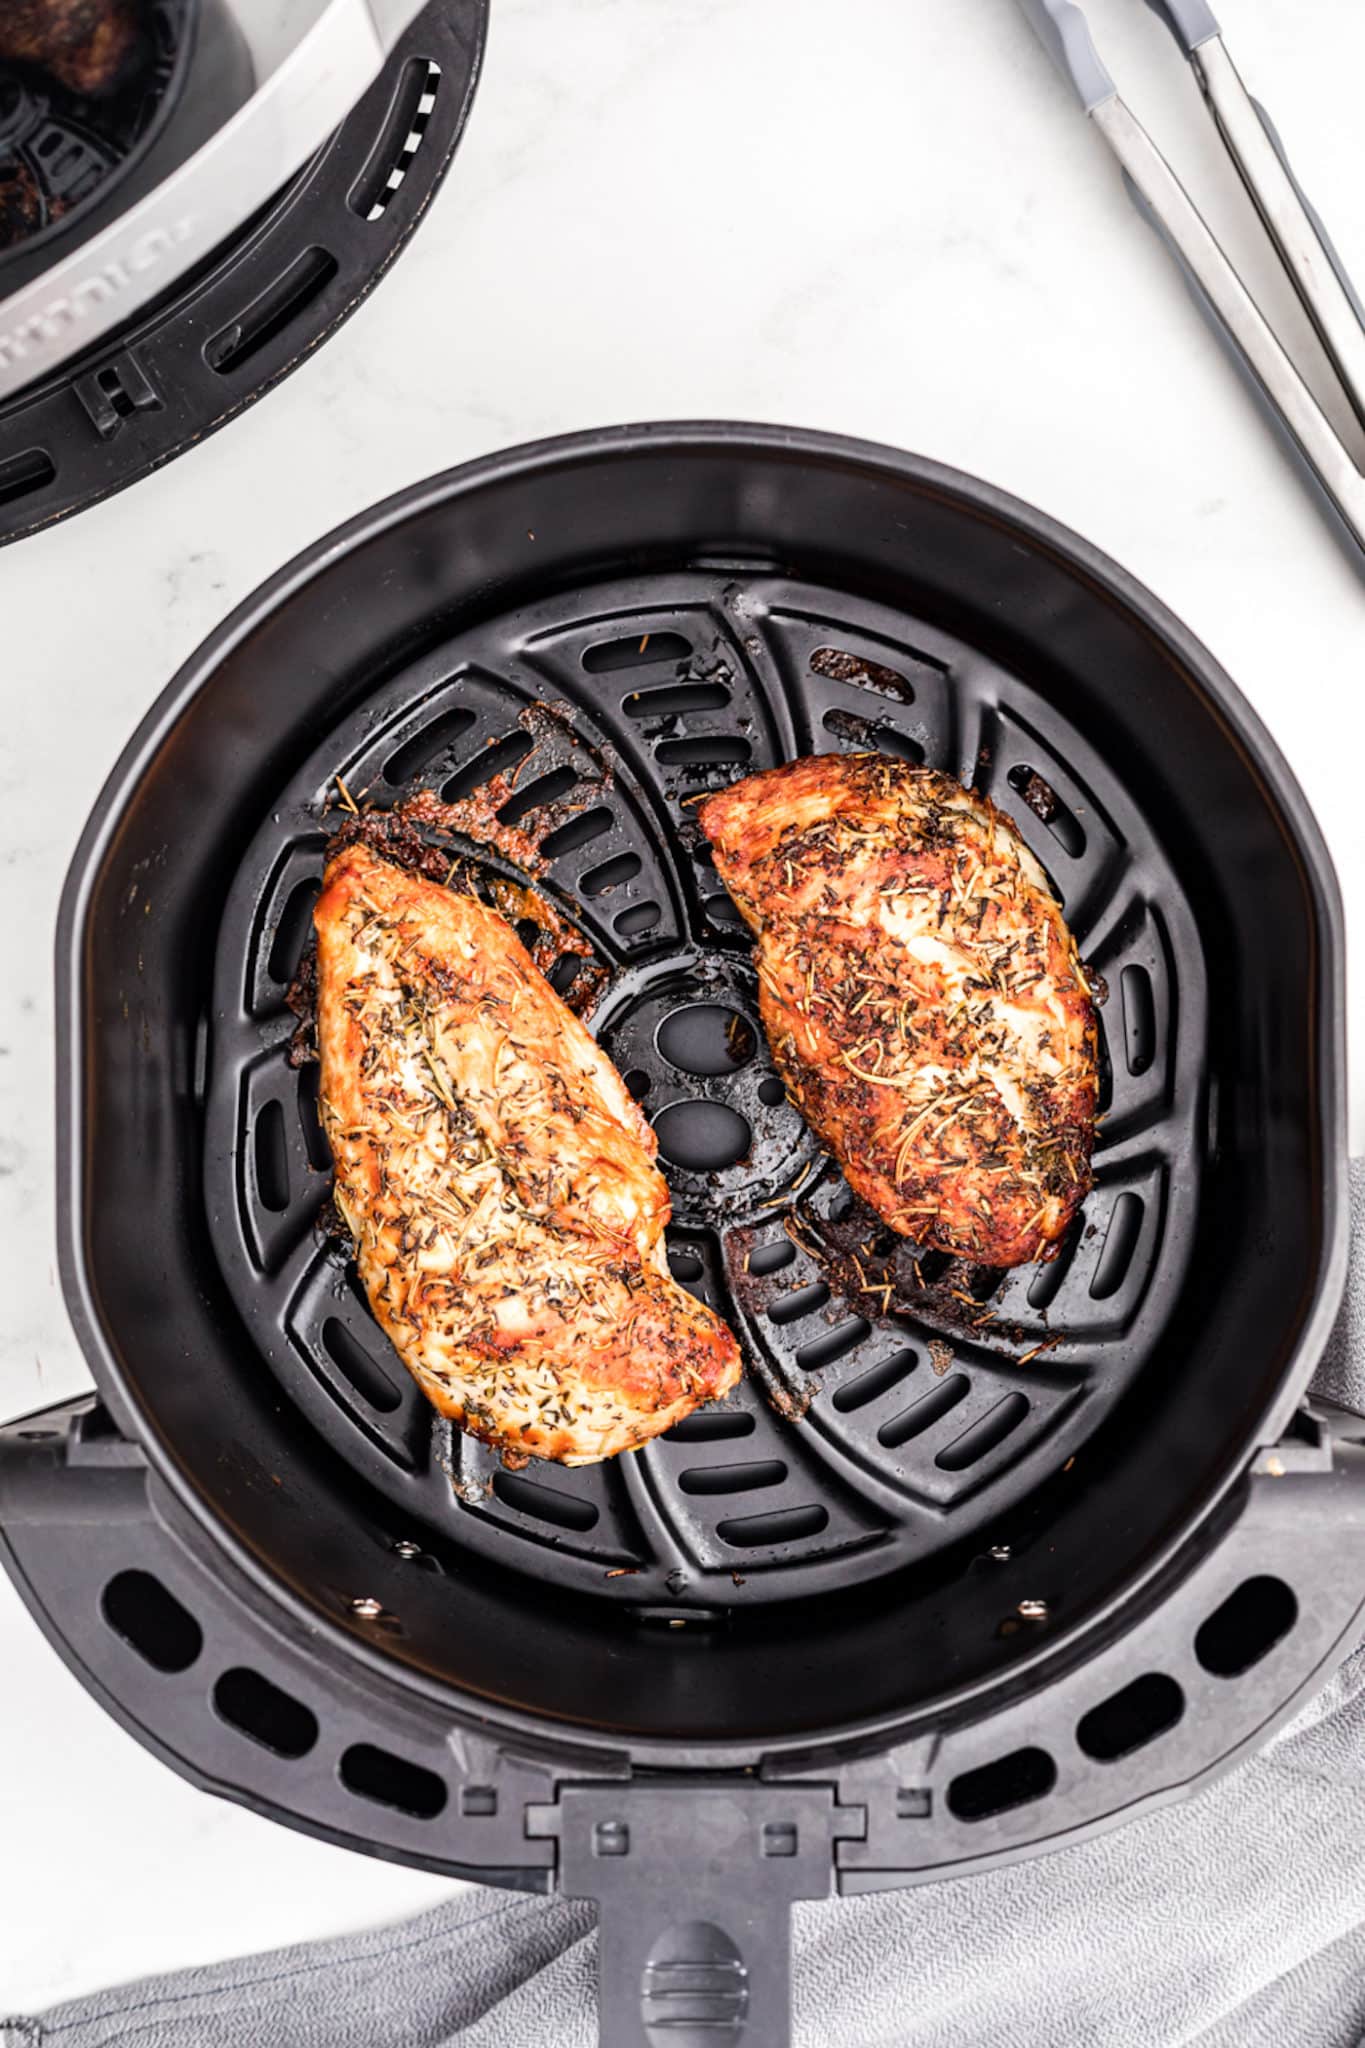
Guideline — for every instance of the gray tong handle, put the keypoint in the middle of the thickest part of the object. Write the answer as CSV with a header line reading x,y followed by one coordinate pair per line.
x,y
1191,22
1065,35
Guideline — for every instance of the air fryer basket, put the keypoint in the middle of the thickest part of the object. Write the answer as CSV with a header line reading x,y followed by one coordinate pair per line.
x,y
922,1594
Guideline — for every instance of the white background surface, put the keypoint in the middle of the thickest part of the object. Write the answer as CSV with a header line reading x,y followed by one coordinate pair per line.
x,y
883,217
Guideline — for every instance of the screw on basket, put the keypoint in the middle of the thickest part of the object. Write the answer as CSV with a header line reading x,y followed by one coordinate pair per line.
x,y
1033,1610
367,1608
405,1547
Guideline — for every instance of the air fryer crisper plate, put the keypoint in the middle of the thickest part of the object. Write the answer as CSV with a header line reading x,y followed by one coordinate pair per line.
x,y
857,1443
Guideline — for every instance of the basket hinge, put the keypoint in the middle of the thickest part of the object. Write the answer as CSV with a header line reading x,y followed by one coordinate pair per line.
x,y
1309,1443
39,1453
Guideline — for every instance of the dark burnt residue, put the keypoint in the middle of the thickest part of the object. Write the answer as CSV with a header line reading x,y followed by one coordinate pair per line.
x,y
21,205
1040,796
873,735
842,667
450,843
478,817
883,1275
791,1405
880,1275
333,1228
302,998
419,832
754,1294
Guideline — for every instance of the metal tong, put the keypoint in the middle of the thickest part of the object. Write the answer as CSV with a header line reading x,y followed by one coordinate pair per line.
x,y
1308,257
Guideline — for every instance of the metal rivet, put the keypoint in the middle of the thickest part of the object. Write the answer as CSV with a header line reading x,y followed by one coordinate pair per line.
x,y
367,1608
407,1548
1001,1552
1033,1610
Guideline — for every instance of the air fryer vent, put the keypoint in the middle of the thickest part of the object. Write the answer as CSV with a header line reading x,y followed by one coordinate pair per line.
x,y
867,1433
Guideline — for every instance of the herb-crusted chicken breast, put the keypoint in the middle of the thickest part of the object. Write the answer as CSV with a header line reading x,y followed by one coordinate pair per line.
x,y
498,1179
921,994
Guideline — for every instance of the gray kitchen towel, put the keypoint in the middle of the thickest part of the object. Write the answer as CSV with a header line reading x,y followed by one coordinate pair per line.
x,y
1236,1920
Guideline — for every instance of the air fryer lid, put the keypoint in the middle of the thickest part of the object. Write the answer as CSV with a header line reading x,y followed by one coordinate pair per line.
x,y
100,382
1190,868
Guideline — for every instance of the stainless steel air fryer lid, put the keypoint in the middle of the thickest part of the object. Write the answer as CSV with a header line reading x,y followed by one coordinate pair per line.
x,y
220,145
856,1632
205,230
73,161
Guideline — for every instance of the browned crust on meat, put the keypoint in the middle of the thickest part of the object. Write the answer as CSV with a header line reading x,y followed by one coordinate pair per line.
x,y
497,1179
922,996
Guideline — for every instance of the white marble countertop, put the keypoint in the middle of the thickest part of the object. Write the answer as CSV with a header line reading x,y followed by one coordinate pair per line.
x,y
884,218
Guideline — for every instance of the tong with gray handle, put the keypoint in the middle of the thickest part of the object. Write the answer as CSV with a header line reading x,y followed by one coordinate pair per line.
x,y
1309,259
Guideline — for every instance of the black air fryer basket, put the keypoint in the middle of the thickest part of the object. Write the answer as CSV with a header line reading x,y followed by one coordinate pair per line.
x,y
959,1573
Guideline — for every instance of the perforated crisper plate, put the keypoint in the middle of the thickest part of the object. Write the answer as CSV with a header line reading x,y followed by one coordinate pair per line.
x,y
854,1446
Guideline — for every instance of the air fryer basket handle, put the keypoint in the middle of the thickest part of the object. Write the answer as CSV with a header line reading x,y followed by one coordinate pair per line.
x,y
694,1884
